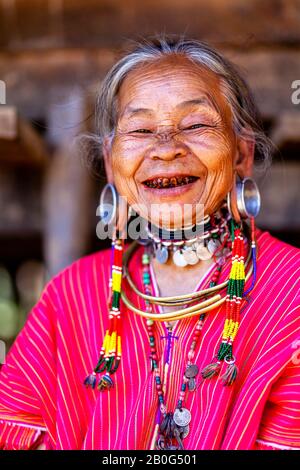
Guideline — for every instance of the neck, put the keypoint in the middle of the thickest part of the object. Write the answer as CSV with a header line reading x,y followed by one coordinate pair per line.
x,y
182,233
171,271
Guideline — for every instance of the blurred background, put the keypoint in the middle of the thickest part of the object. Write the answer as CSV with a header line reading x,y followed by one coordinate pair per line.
x,y
53,56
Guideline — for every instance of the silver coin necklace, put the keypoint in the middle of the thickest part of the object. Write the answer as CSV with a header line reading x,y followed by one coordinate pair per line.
x,y
172,427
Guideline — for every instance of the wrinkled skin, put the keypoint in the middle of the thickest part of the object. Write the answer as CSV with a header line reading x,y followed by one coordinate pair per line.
x,y
210,149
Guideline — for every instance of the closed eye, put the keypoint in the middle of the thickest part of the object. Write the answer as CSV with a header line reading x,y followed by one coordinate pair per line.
x,y
197,126
141,131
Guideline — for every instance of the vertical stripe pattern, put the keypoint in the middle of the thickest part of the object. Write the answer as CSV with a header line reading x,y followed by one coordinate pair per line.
x,y
42,397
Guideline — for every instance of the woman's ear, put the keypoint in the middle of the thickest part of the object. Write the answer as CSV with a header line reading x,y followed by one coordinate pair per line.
x,y
244,157
106,151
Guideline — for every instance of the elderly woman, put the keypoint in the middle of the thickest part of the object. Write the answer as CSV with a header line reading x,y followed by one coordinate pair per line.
x,y
185,338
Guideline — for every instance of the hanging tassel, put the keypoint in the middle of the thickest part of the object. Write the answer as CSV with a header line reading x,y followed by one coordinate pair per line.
x,y
91,380
231,372
235,290
105,383
211,370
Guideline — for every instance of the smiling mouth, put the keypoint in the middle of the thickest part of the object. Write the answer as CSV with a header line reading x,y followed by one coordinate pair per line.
x,y
169,182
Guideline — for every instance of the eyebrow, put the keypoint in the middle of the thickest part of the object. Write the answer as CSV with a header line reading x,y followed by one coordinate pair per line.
x,y
129,111
197,101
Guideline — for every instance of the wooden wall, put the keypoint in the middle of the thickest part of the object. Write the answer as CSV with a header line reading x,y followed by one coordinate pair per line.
x,y
54,53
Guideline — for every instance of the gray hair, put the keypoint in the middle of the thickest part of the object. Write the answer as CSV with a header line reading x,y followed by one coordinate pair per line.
x,y
246,119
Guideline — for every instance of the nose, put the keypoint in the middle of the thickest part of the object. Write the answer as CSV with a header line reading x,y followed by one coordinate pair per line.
x,y
167,148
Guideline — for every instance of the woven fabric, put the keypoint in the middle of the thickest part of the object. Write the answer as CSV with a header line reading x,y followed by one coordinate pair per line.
x,y
42,397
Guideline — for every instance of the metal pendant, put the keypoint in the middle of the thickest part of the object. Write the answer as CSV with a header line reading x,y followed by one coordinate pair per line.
x,y
161,443
203,253
192,384
162,254
221,260
190,256
191,371
184,431
178,259
182,417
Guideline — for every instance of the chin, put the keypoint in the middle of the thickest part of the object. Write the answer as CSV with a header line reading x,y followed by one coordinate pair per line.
x,y
171,213
175,216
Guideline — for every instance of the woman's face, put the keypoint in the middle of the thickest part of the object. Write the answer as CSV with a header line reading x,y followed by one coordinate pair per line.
x,y
174,146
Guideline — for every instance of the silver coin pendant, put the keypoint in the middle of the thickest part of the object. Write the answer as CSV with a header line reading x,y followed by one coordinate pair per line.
x,y
182,417
190,256
178,259
203,253
162,254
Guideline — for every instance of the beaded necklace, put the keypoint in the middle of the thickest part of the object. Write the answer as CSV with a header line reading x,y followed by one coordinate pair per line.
x,y
189,251
110,353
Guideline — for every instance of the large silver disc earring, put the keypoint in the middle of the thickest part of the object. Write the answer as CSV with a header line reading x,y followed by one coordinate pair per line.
x,y
108,204
114,210
244,199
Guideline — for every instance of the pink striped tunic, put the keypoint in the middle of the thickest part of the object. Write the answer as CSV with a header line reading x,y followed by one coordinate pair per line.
x,y
42,397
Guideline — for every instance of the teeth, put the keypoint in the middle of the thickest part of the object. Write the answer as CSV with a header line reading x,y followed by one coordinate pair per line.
x,y
169,182
166,182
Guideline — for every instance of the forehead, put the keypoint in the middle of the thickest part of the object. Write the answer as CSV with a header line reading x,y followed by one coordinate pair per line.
x,y
168,82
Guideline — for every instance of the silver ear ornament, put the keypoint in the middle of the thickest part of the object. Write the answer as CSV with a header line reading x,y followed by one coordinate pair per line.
x,y
244,200
108,204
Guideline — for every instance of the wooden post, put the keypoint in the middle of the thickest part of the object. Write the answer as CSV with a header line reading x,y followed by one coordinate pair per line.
x,y
67,204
